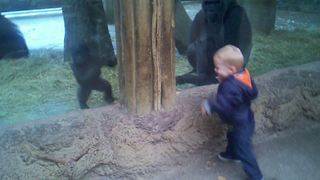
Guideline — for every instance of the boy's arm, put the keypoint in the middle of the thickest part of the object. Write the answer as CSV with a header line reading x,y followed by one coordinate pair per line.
x,y
226,100
207,107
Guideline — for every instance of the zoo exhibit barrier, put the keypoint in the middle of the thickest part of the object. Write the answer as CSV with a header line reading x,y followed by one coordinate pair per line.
x,y
33,13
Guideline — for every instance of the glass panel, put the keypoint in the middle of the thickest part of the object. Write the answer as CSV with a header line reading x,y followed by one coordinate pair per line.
x,y
59,56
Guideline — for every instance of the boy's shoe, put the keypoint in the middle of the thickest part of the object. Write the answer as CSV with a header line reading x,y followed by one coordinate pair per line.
x,y
223,156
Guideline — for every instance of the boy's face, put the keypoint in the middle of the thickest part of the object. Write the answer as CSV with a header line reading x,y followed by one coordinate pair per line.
x,y
222,70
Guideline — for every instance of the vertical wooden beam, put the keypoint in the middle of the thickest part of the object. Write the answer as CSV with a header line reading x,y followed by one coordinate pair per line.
x,y
144,79
156,55
164,53
145,36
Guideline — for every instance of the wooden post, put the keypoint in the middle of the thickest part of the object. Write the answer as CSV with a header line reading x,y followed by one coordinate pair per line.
x,y
145,40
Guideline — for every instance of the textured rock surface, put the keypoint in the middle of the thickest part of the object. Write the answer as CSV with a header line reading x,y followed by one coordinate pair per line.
x,y
109,142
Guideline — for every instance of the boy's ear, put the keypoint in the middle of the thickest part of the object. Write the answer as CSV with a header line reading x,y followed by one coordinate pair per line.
x,y
233,69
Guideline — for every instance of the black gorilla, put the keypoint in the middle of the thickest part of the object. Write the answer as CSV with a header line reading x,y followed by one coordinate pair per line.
x,y
12,43
218,23
86,69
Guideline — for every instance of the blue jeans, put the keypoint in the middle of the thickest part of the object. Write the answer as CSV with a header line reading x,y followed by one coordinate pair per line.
x,y
240,147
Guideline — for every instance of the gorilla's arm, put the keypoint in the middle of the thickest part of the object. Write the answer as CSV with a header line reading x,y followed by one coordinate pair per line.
x,y
196,79
197,27
85,74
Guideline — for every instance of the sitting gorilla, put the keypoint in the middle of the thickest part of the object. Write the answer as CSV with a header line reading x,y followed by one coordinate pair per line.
x,y
86,70
12,43
218,23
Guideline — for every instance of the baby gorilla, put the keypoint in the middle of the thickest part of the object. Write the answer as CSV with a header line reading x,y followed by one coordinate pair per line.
x,y
86,70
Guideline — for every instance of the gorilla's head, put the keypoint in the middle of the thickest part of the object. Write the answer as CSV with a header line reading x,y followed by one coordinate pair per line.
x,y
214,10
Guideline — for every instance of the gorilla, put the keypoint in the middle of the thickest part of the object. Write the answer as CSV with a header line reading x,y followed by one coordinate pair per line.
x,y
12,42
218,23
86,69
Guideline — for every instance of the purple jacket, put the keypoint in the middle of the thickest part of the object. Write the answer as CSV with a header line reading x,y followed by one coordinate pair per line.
x,y
233,100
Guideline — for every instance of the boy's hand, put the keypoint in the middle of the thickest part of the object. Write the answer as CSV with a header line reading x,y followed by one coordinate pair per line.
x,y
203,109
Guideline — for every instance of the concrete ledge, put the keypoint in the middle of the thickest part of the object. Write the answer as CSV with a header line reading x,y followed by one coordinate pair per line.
x,y
33,13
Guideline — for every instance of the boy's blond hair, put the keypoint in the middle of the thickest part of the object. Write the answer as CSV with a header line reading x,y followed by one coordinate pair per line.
x,y
230,55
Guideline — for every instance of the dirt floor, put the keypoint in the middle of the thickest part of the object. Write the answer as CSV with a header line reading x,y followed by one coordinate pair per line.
x,y
292,154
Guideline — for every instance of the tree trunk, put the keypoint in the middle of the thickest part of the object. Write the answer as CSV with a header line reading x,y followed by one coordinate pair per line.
x,y
183,23
262,14
146,55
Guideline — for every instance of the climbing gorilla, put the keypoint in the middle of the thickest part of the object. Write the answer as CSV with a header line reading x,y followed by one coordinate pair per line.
x,y
12,43
86,69
218,23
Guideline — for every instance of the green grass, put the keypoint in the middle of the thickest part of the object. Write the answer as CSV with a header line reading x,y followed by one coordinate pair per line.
x,y
283,49
43,85
27,85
